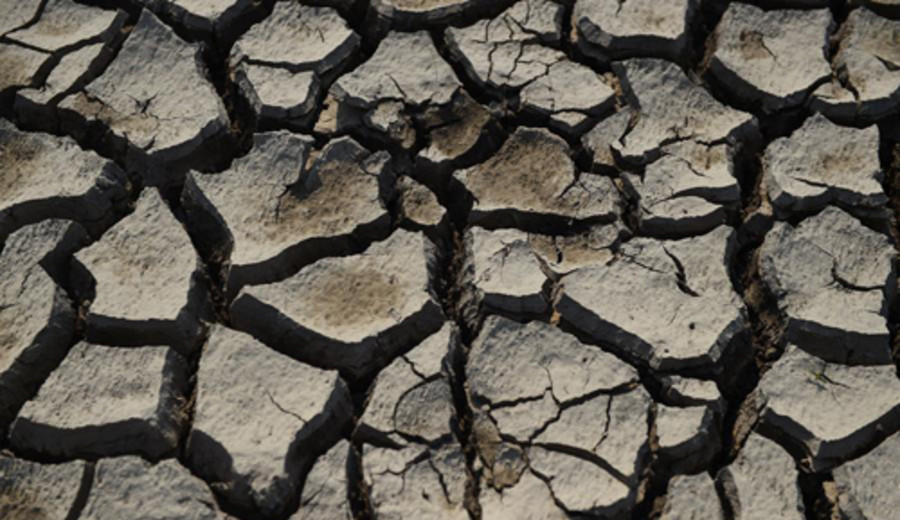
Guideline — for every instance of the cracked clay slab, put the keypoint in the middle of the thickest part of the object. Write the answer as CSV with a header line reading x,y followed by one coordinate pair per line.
x,y
689,191
457,132
829,412
297,36
139,299
354,312
65,24
568,96
105,401
517,51
823,163
419,206
326,489
411,398
405,13
771,59
692,497
532,182
507,276
270,214
694,319
420,483
667,112
130,487
406,75
254,436
586,462
508,51
831,277
867,486
615,30
154,96
30,490
553,360
688,437
406,67
32,166
572,407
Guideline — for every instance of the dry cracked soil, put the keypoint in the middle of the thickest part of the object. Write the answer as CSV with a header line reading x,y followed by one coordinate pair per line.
x,y
449,259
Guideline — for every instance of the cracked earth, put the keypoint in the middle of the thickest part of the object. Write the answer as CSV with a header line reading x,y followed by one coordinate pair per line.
x,y
449,259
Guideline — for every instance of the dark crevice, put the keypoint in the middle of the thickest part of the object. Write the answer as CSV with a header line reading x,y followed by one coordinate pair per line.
x,y
889,156
456,369
839,13
632,209
358,492
883,9
30,47
378,26
463,432
766,321
213,268
814,492
189,401
216,52
84,491
655,478
725,491
703,36
453,297
680,275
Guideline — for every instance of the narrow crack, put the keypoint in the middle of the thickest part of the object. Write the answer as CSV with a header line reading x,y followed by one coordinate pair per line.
x,y
681,276
606,426
848,285
283,409
586,456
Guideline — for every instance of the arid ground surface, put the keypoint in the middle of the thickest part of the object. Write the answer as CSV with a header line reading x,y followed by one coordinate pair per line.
x,y
449,259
